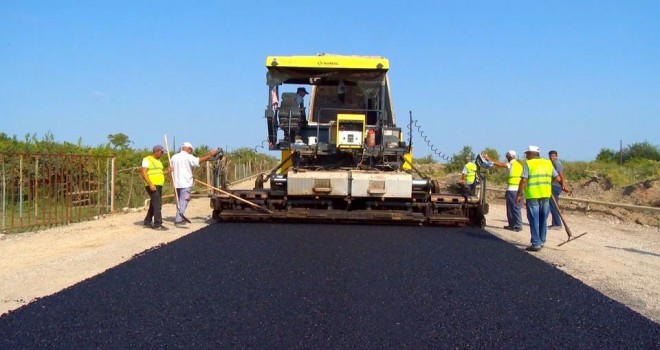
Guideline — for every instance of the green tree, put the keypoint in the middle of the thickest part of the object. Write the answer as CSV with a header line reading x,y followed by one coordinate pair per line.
x,y
458,160
201,150
119,141
642,150
607,155
491,153
639,150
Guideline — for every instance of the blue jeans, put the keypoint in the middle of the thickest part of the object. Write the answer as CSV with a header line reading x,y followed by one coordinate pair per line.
x,y
537,215
513,210
184,198
556,220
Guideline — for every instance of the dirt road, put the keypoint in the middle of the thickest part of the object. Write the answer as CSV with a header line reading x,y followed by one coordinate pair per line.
x,y
620,260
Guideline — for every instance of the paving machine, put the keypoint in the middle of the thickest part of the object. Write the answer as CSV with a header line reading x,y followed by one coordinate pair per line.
x,y
344,158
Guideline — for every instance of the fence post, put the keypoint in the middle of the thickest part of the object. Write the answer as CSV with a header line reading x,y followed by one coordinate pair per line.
x,y
36,187
20,188
112,185
4,192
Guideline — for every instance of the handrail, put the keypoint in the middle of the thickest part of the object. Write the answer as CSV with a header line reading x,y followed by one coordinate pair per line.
x,y
591,201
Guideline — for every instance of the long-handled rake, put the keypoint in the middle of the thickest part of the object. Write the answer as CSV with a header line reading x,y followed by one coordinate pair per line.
x,y
568,230
176,193
234,196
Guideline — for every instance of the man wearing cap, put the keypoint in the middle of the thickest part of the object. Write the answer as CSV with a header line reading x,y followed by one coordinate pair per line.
x,y
300,100
513,209
183,164
557,188
300,96
469,176
535,182
154,178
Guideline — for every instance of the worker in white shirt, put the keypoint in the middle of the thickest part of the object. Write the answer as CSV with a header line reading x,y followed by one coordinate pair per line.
x,y
182,165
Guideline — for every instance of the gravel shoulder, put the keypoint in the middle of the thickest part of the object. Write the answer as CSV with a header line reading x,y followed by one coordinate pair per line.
x,y
620,260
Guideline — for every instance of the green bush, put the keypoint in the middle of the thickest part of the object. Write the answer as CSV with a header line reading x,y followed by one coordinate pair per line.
x,y
458,159
639,150
424,160
633,171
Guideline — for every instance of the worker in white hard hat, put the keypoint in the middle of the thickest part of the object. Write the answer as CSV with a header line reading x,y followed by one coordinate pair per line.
x,y
513,209
535,187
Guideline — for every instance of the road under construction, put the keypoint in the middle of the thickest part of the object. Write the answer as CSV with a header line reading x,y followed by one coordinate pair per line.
x,y
246,285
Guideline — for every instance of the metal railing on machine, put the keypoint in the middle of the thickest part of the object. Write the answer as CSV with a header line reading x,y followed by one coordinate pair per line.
x,y
42,190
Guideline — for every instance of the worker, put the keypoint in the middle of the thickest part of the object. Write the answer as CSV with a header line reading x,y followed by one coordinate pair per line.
x,y
469,176
154,178
300,100
513,209
300,96
182,164
535,181
557,188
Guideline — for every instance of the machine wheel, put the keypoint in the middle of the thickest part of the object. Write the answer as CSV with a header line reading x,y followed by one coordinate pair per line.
x,y
215,215
477,218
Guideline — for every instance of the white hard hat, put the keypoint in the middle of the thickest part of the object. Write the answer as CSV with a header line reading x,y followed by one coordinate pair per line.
x,y
512,153
532,148
187,144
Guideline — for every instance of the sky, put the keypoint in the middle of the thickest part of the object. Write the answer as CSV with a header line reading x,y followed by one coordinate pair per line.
x,y
574,76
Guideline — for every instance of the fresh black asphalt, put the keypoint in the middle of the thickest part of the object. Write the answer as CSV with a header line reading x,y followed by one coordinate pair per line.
x,y
287,286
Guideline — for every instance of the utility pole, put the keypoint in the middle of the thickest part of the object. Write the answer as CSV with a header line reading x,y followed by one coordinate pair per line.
x,y
620,152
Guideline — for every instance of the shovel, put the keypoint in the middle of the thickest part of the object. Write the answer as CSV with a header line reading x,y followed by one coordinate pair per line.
x,y
568,230
176,193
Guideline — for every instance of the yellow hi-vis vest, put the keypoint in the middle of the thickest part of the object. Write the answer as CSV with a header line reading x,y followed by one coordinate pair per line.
x,y
514,175
155,171
539,179
471,172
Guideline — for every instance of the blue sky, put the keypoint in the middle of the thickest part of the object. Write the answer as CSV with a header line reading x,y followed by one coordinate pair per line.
x,y
575,76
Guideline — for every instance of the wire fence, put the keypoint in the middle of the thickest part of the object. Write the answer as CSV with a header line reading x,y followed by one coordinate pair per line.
x,y
41,190
44,190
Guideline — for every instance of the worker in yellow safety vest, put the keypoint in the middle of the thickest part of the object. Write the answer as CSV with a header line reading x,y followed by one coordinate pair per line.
x,y
153,175
535,185
469,176
513,208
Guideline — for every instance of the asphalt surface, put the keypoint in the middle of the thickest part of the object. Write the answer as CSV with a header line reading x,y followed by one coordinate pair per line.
x,y
330,286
